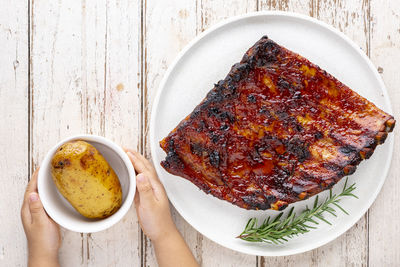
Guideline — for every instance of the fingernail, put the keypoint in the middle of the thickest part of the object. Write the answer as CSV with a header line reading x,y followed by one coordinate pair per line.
x,y
141,178
33,197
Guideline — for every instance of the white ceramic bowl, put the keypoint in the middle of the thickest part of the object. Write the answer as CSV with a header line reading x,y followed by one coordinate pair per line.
x,y
59,209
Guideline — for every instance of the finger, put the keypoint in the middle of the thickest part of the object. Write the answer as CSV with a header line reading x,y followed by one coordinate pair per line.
x,y
147,165
137,163
136,199
25,215
36,209
145,190
140,157
143,162
154,176
146,162
158,188
32,185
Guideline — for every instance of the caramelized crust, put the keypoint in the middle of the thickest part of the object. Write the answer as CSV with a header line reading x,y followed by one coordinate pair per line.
x,y
278,129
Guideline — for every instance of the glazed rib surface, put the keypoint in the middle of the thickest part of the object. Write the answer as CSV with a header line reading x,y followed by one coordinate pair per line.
x,y
278,129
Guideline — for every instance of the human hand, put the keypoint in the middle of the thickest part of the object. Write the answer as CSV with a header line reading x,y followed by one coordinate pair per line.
x,y
151,202
42,233
152,208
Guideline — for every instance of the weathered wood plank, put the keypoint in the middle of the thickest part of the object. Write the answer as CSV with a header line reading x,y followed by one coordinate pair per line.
x,y
168,27
305,7
384,234
119,117
14,97
91,78
210,12
101,76
351,17
57,96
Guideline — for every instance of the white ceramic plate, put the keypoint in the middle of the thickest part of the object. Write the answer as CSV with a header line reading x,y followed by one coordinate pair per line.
x,y
208,59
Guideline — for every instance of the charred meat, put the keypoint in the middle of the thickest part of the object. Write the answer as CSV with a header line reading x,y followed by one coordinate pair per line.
x,y
278,129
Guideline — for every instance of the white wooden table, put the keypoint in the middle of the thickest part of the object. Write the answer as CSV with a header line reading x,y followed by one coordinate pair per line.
x,y
69,67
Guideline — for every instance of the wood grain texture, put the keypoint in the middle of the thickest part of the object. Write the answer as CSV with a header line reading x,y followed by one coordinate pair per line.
x,y
70,67
93,90
56,93
305,7
384,215
14,114
167,27
111,64
211,12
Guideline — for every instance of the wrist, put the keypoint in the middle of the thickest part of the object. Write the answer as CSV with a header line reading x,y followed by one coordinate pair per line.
x,y
45,261
166,238
36,258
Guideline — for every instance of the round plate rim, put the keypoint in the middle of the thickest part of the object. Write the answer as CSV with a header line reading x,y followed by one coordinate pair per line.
x,y
153,142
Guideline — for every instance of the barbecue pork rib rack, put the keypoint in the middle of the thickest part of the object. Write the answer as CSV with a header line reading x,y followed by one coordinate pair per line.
x,y
278,129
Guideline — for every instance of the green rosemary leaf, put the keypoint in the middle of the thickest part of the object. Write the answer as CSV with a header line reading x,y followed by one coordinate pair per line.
x,y
283,227
322,219
352,195
332,211
342,209
278,217
316,202
312,220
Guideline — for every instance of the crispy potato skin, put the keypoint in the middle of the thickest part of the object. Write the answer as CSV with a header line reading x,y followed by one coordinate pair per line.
x,y
86,180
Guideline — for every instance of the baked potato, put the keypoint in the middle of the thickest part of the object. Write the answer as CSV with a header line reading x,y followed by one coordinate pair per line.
x,y
86,180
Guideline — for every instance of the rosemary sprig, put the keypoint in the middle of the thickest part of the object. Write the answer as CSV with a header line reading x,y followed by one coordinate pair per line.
x,y
279,229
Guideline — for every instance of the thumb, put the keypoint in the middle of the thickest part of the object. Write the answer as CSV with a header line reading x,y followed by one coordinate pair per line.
x,y
36,209
145,190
